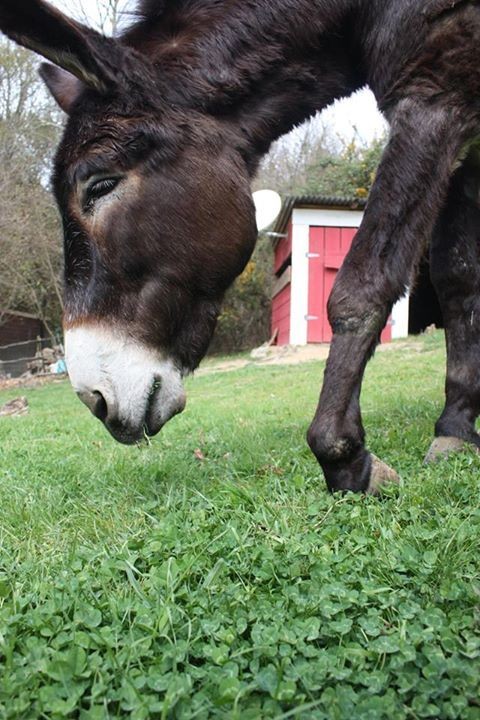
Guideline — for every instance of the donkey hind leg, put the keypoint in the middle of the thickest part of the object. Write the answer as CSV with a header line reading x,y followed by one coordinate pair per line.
x,y
455,271
405,201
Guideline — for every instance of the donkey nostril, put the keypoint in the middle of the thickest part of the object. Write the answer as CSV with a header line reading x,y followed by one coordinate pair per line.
x,y
100,409
96,403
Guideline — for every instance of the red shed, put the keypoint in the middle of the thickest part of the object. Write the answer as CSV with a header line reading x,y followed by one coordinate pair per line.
x,y
312,237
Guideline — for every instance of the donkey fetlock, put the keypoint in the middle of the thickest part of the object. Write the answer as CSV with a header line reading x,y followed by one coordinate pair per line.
x,y
347,464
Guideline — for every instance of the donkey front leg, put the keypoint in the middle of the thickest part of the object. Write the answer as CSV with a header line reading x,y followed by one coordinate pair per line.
x,y
455,271
404,203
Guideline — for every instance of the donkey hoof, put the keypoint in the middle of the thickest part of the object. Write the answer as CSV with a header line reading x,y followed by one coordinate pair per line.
x,y
442,447
381,475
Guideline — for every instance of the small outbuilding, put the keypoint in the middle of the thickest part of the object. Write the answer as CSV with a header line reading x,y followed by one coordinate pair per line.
x,y
312,236
19,340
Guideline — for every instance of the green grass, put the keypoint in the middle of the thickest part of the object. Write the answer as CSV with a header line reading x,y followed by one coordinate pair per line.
x,y
147,583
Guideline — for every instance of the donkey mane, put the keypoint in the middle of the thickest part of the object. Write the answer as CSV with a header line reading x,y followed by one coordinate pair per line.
x,y
263,76
151,10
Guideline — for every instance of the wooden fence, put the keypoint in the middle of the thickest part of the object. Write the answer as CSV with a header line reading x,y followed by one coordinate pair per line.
x,y
17,358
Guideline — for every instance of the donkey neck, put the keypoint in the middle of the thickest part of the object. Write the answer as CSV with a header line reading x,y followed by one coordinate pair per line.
x,y
263,66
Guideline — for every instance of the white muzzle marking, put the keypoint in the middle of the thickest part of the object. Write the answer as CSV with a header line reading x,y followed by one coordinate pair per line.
x,y
140,389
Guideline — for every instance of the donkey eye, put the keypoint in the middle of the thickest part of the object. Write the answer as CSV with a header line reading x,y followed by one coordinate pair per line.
x,y
97,189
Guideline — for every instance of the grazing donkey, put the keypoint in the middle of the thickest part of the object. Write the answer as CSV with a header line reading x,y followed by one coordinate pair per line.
x,y
167,125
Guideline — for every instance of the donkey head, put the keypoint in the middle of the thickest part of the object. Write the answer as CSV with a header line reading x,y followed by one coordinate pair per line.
x,y
158,220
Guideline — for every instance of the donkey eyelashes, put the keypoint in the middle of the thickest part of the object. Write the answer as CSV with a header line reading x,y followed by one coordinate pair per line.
x,y
97,188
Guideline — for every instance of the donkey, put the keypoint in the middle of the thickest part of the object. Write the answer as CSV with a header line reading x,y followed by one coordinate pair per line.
x,y
167,124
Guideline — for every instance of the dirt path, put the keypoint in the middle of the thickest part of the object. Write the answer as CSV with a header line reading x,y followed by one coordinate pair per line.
x,y
289,355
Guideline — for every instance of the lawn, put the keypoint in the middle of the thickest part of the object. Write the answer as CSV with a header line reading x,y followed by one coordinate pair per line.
x,y
211,575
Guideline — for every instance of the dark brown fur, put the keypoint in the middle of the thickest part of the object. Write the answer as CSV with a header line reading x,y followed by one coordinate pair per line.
x,y
181,109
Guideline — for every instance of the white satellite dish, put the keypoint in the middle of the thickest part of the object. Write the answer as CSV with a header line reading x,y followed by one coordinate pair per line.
x,y
268,204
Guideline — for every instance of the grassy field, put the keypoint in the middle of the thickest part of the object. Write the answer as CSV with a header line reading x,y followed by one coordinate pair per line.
x,y
210,575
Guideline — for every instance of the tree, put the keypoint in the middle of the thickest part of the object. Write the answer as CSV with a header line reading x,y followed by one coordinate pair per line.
x,y
285,168
30,247
311,161
348,174
106,16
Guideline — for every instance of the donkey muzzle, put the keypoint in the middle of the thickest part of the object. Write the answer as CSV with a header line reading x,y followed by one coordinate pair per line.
x,y
133,389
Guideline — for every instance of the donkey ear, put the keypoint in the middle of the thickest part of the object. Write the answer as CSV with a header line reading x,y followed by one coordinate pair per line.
x,y
42,28
64,86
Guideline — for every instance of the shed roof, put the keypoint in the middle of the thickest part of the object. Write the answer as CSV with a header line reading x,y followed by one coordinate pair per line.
x,y
308,201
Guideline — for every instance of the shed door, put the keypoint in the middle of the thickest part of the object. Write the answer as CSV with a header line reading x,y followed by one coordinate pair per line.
x,y
328,248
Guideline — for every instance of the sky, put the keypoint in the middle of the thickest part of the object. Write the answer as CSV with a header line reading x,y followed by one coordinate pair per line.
x,y
355,117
